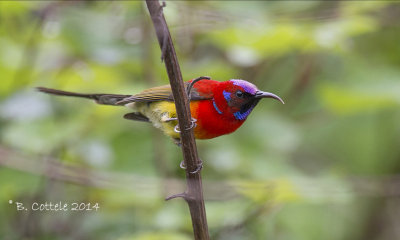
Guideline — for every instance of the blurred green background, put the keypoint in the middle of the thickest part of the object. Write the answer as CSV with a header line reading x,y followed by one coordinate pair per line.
x,y
323,166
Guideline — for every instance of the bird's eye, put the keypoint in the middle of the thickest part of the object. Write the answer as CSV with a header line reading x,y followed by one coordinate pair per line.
x,y
239,94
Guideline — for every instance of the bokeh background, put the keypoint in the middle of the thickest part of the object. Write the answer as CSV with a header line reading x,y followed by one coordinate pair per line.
x,y
323,166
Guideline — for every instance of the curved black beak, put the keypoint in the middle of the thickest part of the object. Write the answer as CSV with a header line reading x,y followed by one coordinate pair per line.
x,y
261,94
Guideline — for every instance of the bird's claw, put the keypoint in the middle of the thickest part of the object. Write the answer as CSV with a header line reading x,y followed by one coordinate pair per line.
x,y
171,119
198,168
193,124
182,165
176,129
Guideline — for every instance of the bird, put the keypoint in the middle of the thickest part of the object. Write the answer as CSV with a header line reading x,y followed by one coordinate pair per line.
x,y
217,107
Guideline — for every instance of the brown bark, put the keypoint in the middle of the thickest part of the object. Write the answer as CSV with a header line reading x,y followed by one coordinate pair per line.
x,y
194,192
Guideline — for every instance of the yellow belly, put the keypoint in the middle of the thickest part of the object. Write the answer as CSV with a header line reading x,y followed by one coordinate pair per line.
x,y
159,114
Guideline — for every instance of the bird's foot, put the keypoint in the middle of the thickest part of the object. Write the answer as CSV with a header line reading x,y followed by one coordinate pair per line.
x,y
193,124
198,167
171,119
182,165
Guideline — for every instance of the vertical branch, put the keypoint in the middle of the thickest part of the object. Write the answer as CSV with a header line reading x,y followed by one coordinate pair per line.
x,y
194,192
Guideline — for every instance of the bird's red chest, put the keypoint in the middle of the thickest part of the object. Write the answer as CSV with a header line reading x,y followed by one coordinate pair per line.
x,y
211,123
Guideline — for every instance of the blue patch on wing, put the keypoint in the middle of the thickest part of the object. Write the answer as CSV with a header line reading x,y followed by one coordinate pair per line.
x,y
216,108
227,95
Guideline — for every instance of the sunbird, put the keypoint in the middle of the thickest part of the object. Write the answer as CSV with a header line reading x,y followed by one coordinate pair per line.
x,y
217,108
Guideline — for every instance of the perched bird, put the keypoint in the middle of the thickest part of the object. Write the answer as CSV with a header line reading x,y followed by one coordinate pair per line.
x,y
217,108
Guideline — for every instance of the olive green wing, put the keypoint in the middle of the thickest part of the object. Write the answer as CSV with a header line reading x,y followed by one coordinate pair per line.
x,y
161,93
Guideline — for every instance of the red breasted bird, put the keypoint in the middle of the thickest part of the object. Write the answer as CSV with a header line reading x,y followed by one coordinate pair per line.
x,y
218,107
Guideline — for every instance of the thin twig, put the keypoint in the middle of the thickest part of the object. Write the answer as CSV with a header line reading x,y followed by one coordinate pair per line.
x,y
363,186
189,149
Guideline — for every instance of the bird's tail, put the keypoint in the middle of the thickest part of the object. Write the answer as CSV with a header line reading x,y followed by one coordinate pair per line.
x,y
100,98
